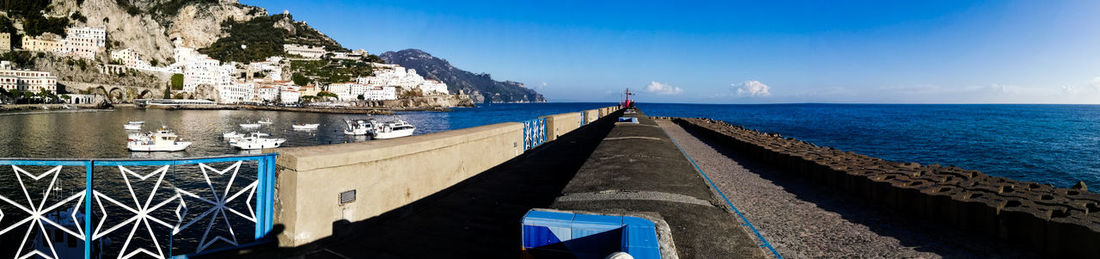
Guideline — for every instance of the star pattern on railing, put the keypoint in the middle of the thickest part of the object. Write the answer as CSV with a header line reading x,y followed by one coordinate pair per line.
x,y
142,213
220,206
37,213
144,218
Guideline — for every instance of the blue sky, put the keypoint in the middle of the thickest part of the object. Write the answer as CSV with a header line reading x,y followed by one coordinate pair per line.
x,y
744,51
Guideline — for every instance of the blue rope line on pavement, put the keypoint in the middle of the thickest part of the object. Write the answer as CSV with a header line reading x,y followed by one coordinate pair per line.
x,y
734,208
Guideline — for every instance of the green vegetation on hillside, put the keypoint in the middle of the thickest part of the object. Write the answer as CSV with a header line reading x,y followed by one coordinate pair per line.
x,y
20,59
30,11
7,26
36,25
258,39
177,81
24,7
330,71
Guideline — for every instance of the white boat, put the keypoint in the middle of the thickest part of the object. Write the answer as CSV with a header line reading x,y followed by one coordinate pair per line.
x,y
161,140
305,126
132,126
393,129
138,136
232,135
137,122
359,127
257,141
265,121
250,125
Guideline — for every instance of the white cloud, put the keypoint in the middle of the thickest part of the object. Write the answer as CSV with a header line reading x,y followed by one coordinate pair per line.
x,y
662,88
1095,83
752,88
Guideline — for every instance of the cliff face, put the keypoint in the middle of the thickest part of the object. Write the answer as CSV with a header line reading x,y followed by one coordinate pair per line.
x,y
481,87
149,26
428,102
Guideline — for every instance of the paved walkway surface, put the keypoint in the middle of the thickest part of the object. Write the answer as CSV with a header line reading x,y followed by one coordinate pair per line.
x,y
638,169
802,221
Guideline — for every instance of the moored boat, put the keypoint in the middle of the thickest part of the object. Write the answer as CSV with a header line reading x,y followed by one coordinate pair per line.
x,y
265,121
162,140
393,129
359,127
232,135
305,126
250,125
257,141
132,126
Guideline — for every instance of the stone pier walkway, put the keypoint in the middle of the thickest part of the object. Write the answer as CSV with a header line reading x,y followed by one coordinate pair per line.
x,y
801,221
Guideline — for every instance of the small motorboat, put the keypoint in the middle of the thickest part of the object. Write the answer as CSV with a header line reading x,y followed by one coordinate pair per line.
x,y
137,122
250,125
162,140
132,126
257,141
393,129
265,121
312,126
359,127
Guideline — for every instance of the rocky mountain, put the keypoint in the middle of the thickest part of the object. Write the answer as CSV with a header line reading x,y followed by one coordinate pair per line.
x,y
150,26
481,87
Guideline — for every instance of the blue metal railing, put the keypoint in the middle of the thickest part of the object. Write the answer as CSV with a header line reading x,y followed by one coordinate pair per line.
x,y
534,133
107,218
584,118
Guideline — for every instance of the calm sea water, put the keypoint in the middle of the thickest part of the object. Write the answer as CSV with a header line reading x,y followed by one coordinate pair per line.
x,y
1056,144
100,134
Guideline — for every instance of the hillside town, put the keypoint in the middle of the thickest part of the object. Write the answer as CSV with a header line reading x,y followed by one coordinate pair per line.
x,y
197,76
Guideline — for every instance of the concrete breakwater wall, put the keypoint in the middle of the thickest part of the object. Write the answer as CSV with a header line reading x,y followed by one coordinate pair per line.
x,y
1058,222
319,185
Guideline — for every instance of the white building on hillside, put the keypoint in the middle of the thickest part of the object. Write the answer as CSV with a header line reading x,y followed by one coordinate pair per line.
x,y
289,94
380,93
126,57
98,36
267,93
434,86
306,51
199,69
83,42
407,79
236,92
207,71
349,91
26,80
342,90
271,68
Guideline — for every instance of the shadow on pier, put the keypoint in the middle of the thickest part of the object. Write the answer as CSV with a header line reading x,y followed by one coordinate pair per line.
x,y
476,218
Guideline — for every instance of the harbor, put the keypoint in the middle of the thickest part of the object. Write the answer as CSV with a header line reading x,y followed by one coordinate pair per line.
x,y
698,187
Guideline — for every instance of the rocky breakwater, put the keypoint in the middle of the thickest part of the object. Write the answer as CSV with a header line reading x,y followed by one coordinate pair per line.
x,y
1059,222
421,103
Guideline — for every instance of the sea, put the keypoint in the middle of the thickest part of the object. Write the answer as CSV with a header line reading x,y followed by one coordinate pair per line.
x,y
1055,144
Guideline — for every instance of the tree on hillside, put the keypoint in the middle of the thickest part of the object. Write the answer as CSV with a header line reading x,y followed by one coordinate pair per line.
x,y
177,81
374,58
299,79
